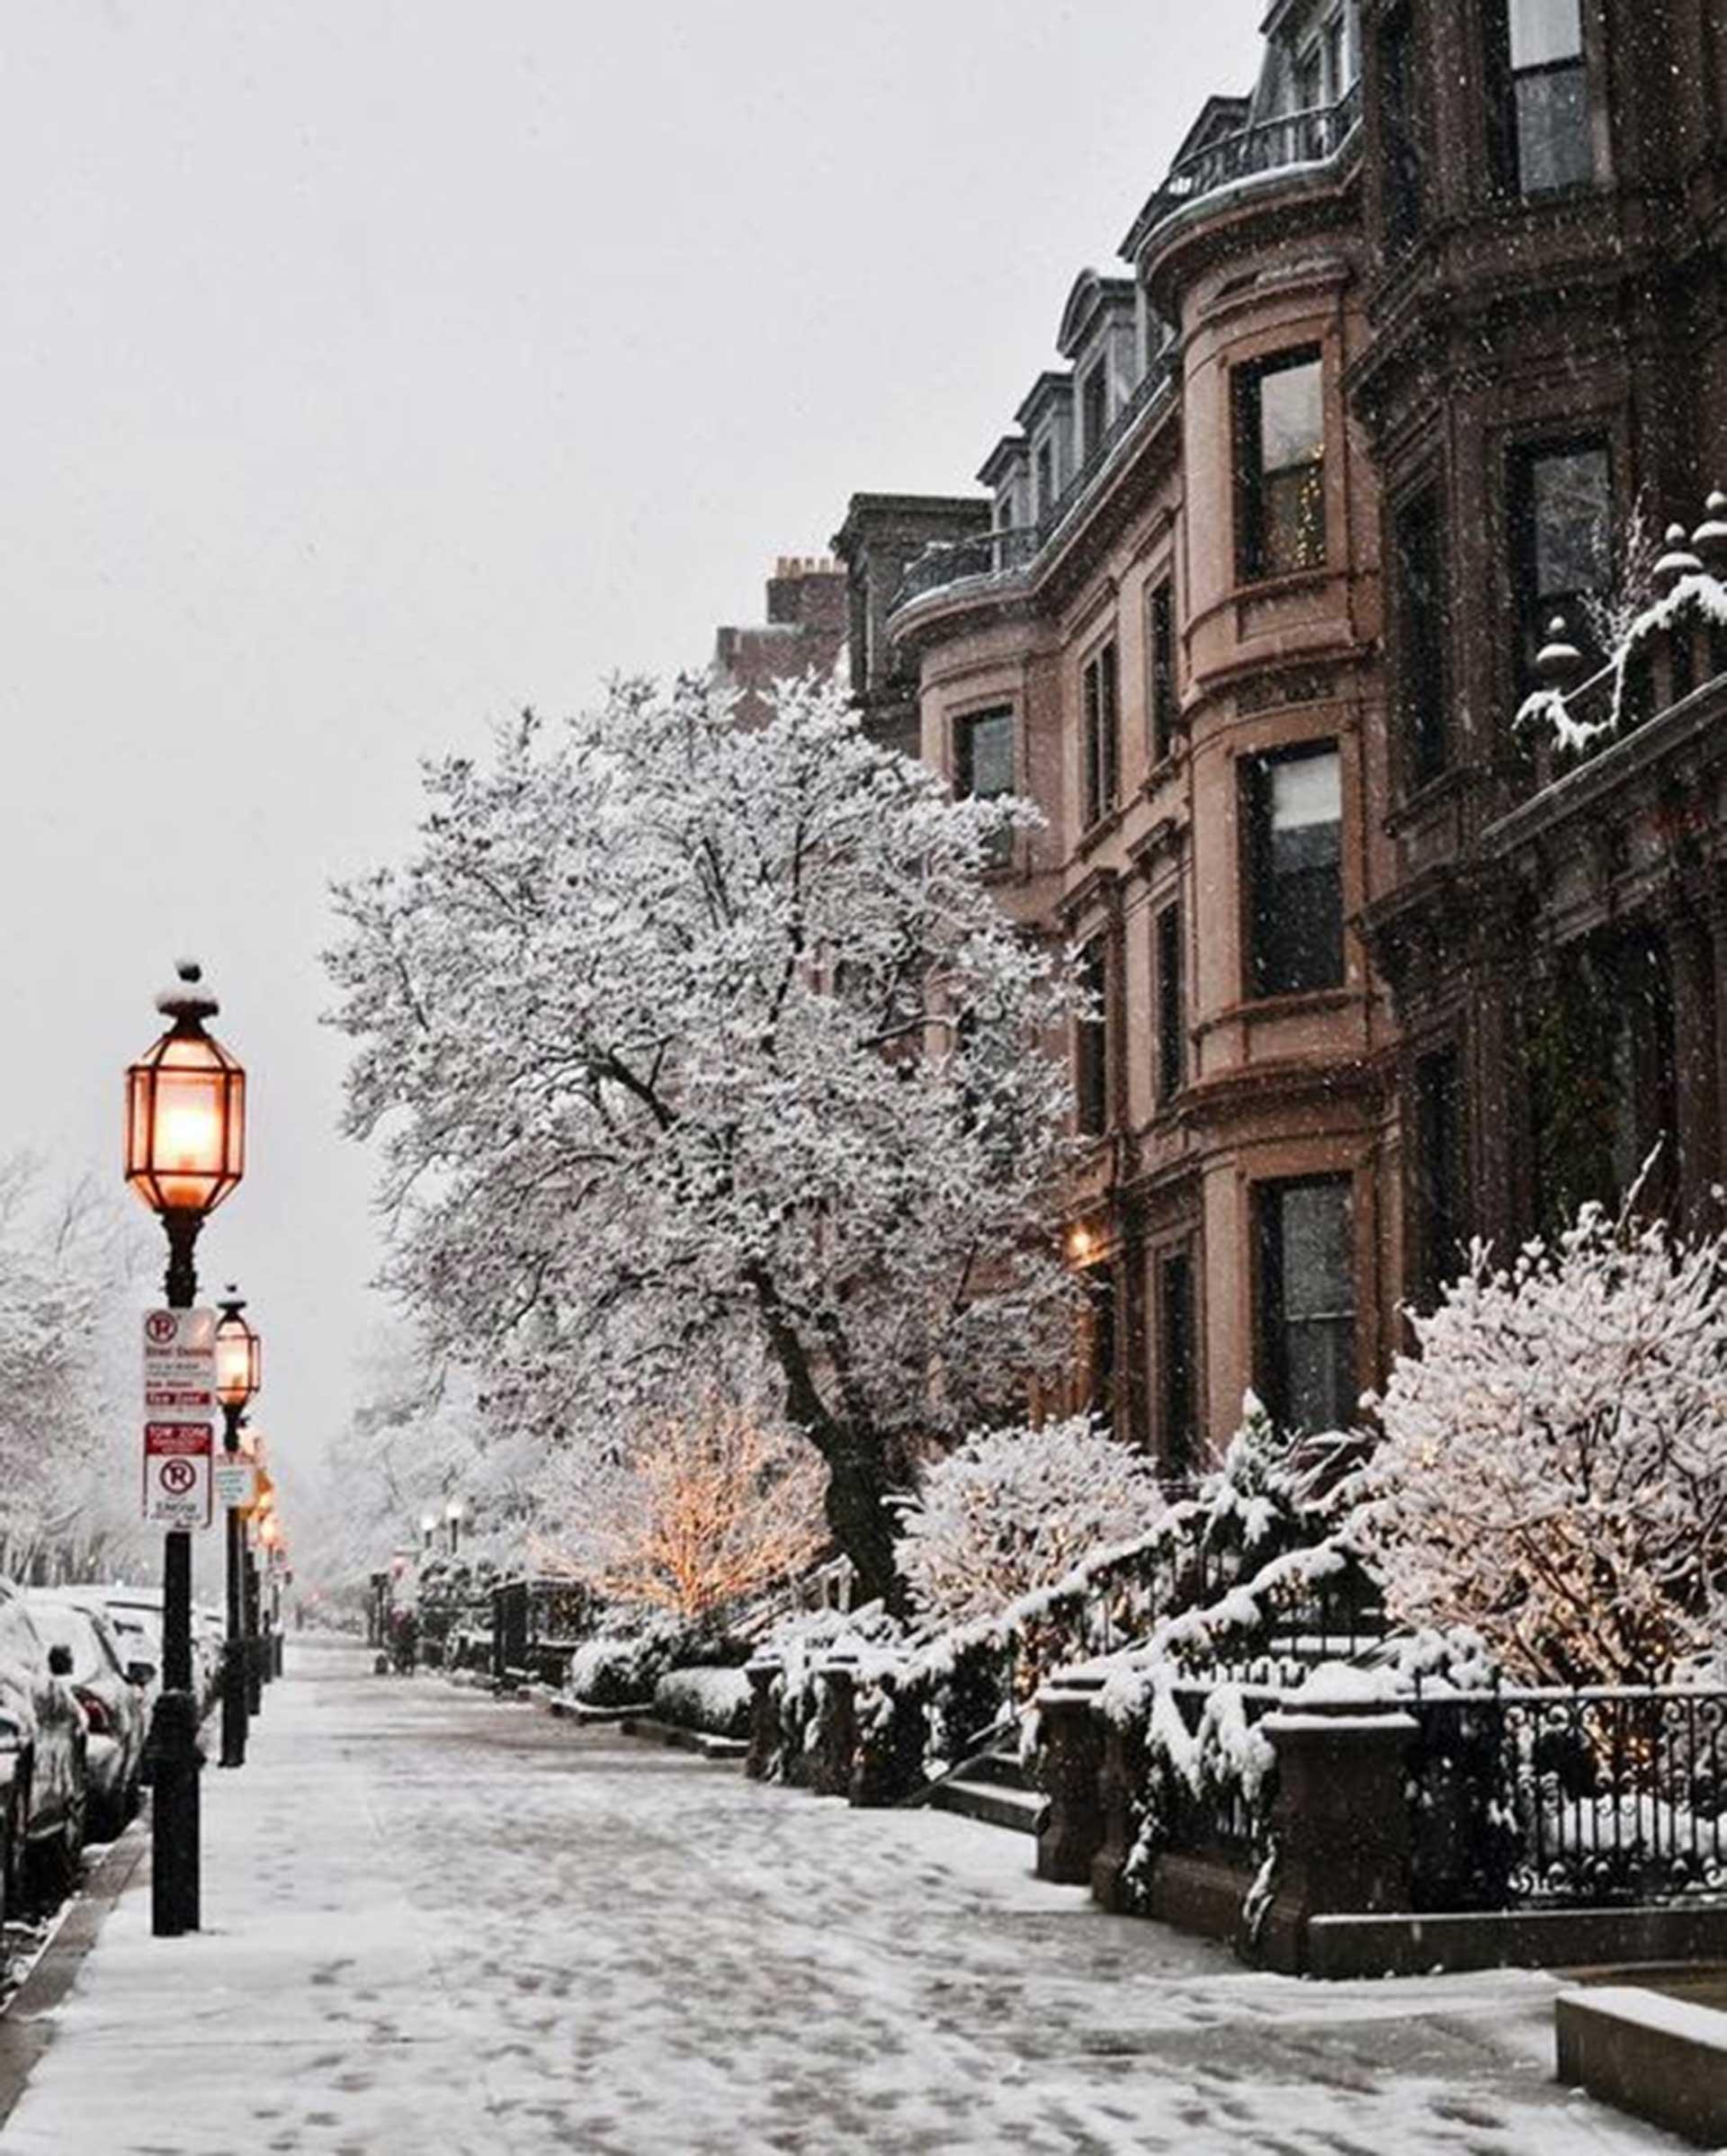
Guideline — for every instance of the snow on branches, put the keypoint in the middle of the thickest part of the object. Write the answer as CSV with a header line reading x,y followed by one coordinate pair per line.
x,y
1013,1510
670,1028
1553,1469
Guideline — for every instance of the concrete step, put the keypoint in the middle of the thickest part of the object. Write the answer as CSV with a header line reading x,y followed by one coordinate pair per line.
x,y
726,1749
1001,1769
1018,1810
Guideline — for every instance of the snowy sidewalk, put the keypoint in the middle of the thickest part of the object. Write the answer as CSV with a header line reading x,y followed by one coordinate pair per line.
x,y
443,1927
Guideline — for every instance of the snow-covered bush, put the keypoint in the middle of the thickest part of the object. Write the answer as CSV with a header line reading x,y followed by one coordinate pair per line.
x,y
1013,1510
716,1701
622,1664
1553,1469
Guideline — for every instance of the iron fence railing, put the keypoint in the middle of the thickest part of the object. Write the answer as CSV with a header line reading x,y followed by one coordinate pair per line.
x,y
1277,145
1584,1798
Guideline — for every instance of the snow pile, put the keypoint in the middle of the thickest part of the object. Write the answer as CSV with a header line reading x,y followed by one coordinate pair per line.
x,y
619,1667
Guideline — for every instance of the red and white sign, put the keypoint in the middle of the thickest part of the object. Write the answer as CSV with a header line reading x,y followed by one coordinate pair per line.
x,y
176,1473
180,1365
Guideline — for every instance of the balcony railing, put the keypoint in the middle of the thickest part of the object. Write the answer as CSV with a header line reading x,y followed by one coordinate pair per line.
x,y
1290,141
1004,552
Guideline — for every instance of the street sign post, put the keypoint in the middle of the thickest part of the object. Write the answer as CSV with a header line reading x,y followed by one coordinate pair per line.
x,y
176,1474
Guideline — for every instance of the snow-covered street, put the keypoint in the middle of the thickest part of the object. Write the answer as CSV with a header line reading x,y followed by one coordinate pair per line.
x,y
438,1923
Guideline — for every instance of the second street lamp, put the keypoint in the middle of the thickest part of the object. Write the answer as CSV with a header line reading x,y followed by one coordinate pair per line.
x,y
239,1371
452,1520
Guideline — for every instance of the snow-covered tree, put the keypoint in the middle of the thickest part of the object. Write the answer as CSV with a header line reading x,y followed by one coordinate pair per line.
x,y
675,1030
707,1507
1553,1469
1013,1510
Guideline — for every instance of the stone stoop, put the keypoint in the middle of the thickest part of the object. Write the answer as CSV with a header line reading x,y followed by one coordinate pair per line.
x,y
993,1788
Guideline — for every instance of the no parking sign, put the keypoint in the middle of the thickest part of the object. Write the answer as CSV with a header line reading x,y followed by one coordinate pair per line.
x,y
176,1473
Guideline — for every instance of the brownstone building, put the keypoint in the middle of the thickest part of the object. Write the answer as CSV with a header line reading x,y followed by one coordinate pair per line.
x,y
808,613
1444,294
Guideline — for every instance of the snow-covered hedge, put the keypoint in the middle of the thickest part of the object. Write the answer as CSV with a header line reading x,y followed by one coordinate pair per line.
x,y
715,1701
619,1667
796,1651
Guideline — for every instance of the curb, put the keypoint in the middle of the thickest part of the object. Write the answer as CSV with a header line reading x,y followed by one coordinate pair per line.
x,y
26,2029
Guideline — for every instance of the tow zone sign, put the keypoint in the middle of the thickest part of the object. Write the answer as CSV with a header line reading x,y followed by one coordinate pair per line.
x,y
179,1416
176,1474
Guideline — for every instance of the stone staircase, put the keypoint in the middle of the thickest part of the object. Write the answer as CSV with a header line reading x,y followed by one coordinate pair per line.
x,y
992,1787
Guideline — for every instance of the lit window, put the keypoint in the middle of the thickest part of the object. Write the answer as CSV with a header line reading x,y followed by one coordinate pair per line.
x,y
1295,867
1280,433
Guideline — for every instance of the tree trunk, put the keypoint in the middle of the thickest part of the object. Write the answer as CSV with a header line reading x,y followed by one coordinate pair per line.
x,y
857,1512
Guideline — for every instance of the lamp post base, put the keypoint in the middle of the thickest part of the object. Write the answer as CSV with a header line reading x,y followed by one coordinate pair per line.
x,y
175,1763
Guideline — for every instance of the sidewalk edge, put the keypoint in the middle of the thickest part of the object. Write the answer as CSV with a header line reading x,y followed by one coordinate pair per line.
x,y
26,2026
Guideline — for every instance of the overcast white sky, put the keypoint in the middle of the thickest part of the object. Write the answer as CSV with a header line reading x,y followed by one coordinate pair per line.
x,y
370,368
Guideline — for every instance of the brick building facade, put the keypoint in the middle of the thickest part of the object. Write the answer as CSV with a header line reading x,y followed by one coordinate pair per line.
x,y
1248,607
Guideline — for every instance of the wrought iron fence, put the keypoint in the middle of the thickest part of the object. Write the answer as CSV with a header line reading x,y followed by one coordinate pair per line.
x,y
953,561
1587,1798
1290,139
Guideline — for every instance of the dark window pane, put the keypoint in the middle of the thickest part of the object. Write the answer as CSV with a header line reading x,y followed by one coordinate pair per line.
x,y
1308,1304
1398,130
1296,817
1100,1294
1540,96
1161,638
1438,1173
1552,130
984,767
1561,521
1175,1326
1419,560
1091,1043
1093,408
1101,699
1171,1022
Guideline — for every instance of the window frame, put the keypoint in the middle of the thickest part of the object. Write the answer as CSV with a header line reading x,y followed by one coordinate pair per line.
x,y
1504,119
1403,160
1421,686
1100,744
1162,691
1272,1325
1531,608
1255,560
965,727
1178,1359
1091,1043
1259,880
1094,392
1169,992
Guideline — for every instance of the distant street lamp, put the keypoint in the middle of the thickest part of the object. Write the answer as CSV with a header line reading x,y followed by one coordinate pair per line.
x,y
428,1528
452,1520
239,1371
186,1152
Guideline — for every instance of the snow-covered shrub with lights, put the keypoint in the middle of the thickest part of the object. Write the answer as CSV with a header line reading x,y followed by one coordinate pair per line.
x,y
627,1657
1554,1467
1013,1510
715,1702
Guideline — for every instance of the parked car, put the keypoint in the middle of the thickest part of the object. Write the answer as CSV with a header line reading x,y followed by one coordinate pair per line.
x,y
209,1630
43,1736
114,1698
136,1615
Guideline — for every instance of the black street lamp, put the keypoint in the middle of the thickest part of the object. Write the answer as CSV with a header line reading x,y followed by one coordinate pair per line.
x,y
239,1371
186,1152
428,1528
452,1520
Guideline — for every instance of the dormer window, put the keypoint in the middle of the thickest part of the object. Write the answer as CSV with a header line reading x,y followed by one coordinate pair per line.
x,y
1094,406
1046,483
